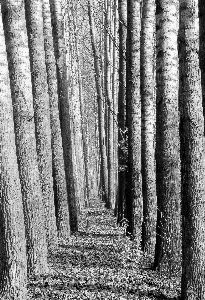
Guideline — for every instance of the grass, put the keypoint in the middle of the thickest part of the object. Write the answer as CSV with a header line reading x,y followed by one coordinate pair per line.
x,y
99,262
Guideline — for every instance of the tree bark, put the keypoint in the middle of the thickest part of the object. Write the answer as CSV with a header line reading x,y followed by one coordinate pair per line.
x,y
133,105
34,21
59,179
21,91
13,270
202,50
100,109
168,239
193,168
148,126
60,56
122,156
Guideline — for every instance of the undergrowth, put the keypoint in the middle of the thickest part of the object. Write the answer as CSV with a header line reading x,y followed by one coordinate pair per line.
x,y
100,262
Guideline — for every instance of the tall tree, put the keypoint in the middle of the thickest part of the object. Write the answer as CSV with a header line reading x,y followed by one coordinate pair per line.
x,y
82,110
34,20
59,179
60,56
122,9
202,49
133,106
13,270
192,169
21,91
102,145
110,106
168,239
148,125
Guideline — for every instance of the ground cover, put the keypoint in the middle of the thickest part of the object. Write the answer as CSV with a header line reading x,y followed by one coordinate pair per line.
x,y
100,262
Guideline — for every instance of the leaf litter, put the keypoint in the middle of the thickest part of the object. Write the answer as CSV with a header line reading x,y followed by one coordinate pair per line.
x,y
100,262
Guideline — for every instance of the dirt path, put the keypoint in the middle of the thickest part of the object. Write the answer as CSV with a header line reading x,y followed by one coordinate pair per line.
x,y
99,262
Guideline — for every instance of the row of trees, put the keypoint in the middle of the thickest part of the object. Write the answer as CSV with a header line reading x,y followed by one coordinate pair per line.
x,y
38,195
160,188
102,99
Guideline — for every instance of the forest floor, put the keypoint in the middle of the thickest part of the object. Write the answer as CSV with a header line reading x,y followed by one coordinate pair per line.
x,y
99,262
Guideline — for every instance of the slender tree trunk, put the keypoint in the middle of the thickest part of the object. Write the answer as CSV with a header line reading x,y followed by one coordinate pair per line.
x,y
133,104
21,92
34,20
148,126
85,150
168,239
193,168
202,49
122,107
60,55
59,179
115,101
110,107
13,270
100,109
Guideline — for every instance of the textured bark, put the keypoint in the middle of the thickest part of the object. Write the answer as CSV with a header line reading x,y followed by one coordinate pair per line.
x,y
133,105
122,106
21,91
201,4
168,239
13,270
148,126
60,56
110,107
115,89
82,113
191,134
59,179
102,145
34,20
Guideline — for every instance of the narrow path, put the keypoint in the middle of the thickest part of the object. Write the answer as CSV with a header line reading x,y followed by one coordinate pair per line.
x,y
99,262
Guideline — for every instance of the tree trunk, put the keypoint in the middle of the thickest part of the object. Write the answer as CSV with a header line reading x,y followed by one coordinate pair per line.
x,y
133,104
34,21
148,126
110,107
100,109
168,239
202,49
59,179
13,270
122,107
21,92
192,170
60,55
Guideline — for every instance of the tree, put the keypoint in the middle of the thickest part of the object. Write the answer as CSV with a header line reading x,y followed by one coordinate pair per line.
x,y
192,165
13,270
122,10
34,21
168,239
60,56
167,153
102,145
202,48
133,120
21,91
110,107
148,125
59,179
